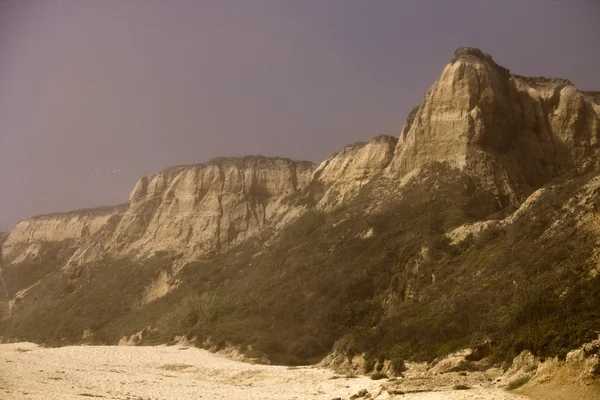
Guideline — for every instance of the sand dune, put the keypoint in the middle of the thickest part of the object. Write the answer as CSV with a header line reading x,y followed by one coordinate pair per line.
x,y
28,371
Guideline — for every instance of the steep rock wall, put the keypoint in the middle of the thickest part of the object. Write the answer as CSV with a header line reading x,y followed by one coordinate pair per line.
x,y
191,211
513,132
344,173
202,209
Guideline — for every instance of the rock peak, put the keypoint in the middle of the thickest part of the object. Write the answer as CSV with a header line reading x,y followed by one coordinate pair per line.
x,y
521,131
475,54
470,51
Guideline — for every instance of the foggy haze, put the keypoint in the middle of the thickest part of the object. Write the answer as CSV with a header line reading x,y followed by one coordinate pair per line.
x,y
95,94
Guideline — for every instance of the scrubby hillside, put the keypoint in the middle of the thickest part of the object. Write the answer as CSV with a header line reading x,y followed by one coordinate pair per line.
x,y
477,228
388,283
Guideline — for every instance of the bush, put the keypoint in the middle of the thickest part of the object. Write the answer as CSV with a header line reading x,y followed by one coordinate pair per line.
x,y
517,383
397,366
461,387
467,366
596,369
378,375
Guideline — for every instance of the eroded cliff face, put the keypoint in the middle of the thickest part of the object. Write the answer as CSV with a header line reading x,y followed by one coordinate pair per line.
x,y
25,239
191,211
205,208
513,132
344,173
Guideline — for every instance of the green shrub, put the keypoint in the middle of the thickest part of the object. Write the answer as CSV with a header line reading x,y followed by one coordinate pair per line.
x,y
467,366
378,375
23,275
461,387
397,366
517,383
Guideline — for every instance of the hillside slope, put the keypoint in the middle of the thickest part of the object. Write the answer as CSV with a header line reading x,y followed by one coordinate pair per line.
x,y
477,227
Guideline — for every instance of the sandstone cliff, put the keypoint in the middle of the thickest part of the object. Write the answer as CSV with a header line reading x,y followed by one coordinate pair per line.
x,y
204,208
513,132
190,210
343,174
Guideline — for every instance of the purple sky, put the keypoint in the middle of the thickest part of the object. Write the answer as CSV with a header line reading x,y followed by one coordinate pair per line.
x,y
140,85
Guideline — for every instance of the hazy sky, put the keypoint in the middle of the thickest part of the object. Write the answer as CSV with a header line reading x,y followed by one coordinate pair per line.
x,y
139,85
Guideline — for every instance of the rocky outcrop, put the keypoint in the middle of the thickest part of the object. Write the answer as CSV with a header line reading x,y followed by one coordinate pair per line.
x,y
512,132
576,374
344,173
476,229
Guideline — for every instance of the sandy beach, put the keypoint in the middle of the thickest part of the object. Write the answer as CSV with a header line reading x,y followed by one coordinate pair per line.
x,y
28,371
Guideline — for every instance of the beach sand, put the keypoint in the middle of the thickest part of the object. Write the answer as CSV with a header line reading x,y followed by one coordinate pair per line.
x,y
28,371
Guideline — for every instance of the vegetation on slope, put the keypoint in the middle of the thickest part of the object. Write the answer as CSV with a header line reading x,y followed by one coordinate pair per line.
x,y
58,309
49,259
386,283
